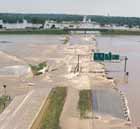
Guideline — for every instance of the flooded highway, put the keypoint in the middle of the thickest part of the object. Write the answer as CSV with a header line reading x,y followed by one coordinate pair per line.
x,y
107,101
125,46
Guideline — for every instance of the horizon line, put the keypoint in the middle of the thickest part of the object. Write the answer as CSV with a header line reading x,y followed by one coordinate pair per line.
x,y
22,13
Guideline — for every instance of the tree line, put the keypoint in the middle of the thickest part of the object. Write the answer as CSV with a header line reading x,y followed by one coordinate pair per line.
x,y
41,18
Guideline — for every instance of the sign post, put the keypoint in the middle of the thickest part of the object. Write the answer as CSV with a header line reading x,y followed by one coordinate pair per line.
x,y
4,86
78,63
125,64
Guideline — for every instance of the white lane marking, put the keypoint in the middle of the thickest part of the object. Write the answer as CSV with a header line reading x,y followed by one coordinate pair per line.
x,y
18,108
29,94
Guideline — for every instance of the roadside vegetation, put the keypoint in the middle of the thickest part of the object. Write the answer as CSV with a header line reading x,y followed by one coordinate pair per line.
x,y
85,103
54,108
37,69
120,32
4,102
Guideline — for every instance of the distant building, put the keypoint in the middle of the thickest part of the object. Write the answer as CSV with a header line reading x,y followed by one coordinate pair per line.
x,y
118,27
86,23
84,19
19,25
62,25
50,24
1,24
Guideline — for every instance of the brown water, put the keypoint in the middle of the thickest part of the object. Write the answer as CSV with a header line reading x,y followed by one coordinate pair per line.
x,y
124,45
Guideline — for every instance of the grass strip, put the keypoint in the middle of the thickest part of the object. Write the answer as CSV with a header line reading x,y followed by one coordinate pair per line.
x,y
85,102
54,109
4,102
35,31
120,32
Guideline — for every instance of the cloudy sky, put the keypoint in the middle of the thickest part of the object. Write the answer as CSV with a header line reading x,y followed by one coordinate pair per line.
x,y
100,7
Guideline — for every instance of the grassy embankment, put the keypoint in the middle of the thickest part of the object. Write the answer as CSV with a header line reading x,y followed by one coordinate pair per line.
x,y
85,103
34,31
59,32
120,32
54,108
4,101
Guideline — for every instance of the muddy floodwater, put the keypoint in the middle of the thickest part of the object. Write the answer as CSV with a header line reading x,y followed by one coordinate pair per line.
x,y
125,46
19,45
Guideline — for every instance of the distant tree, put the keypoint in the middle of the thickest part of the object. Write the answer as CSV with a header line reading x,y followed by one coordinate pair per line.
x,y
53,27
130,26
1,26
40,18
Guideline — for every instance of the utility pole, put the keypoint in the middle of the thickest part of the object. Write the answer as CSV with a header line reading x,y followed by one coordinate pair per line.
x,y
125,70
78,69
4,86
125,64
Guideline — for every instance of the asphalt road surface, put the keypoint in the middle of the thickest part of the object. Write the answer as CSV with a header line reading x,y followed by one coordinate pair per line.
x,y
23,109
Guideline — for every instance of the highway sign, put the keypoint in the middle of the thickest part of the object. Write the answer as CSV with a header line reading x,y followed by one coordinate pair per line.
x,y
98,56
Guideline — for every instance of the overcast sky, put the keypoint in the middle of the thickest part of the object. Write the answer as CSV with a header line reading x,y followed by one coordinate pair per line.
x,y
93,7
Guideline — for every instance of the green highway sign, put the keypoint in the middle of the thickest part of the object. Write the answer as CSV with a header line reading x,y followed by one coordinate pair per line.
x,y
115,57
105,56
108,56
99,56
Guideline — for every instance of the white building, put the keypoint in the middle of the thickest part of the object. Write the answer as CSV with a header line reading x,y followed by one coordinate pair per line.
x,y
62,25
86,23
84,19
51,24
124,27
1,24
18,25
